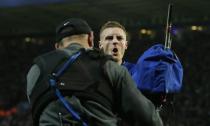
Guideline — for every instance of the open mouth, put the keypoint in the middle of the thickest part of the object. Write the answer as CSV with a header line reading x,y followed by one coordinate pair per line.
x,y
115,50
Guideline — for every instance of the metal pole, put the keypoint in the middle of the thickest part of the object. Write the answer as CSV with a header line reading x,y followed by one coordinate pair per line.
x,y
168,39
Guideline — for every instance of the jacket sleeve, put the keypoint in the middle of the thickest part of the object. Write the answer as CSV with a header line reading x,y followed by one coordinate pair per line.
x,y
132,105
32,78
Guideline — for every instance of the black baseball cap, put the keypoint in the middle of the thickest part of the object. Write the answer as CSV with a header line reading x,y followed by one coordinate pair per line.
x,y
72,26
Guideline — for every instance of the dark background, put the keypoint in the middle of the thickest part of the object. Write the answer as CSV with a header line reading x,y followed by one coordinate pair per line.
x,y
27,30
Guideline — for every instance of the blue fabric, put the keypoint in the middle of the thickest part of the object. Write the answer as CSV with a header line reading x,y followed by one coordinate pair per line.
x,y
158,71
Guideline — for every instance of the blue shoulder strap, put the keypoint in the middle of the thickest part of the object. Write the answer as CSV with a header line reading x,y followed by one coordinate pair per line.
x,y
53,82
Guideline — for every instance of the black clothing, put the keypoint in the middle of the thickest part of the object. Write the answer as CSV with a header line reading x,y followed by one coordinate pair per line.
x,y
103,89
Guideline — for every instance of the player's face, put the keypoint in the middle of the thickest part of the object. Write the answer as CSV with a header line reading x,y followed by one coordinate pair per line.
x,y
113,42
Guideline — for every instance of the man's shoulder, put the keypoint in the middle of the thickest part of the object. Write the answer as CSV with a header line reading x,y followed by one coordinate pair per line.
x,y
51,53
97,53
114,68
50,59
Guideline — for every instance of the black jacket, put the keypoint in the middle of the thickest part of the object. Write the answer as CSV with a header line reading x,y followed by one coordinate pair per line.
x,y
127,102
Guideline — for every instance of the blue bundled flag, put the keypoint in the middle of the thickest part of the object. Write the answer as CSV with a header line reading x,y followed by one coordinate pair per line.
x,y
158,70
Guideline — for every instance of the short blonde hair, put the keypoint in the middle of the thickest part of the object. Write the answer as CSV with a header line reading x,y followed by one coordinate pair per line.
x,y
113,24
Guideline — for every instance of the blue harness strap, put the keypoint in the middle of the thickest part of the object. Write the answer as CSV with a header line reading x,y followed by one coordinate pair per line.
x,y
66,65
53,83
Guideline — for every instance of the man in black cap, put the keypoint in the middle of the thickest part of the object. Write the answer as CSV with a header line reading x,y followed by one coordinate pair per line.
x,y
78,85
